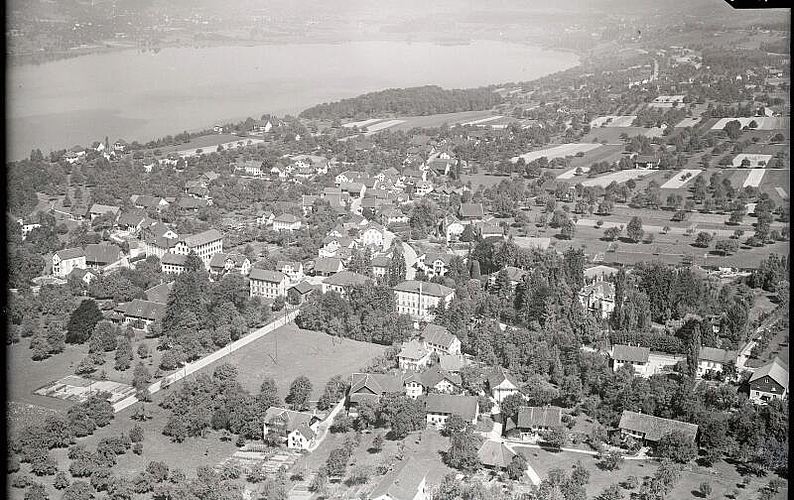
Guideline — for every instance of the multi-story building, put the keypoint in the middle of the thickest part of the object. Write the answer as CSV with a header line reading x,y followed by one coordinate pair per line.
x,y
769,382
440,407
635,356
222,263
267,284
205,245
293,270
64,261
418,299
286,222
438,339
343,280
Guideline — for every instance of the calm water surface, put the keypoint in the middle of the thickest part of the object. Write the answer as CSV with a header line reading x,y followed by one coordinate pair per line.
x,y
141,96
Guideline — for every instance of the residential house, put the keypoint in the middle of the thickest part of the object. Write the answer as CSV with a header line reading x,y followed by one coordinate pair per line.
x,y
293,270
222,263
353,189
418,299
440,407
84,275
391,215
286,222
267,284
266,219
297,429
27,226
438,339
187,204
471,212
635,356
646,161
147,202
413,356
489,230
433,379
453,228
423,188
297,294
332,244
342,281
407,481
373,234
435,264
712,359
327,266
98,210
65,261
141,314
98,256
599,273
132,220
495,455
598,298
205,245
157,230
159,246
172,263
348,176
371,386
769,382
502,384
252,167
649,429
380,265
530,421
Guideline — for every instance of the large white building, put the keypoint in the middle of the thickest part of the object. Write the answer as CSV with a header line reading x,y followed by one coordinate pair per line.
x,y
205,245
267,284
418,299
67,260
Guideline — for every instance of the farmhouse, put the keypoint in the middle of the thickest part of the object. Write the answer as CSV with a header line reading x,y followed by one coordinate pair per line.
x,y
371,386
501,384
769,382
471,212
267,284
297,294
433,379
637,357
98,255
327,266
418,299
532,420
405,482
173,263
142,313
712,359
495,455
646,161
439,407
649,429
64,261
438,339
97,210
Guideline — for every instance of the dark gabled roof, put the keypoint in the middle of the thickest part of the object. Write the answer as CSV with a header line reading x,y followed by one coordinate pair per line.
x,y
776,370
655,428
431,257
471,210
631,353
431,377
495,454
413,350
432,289
173,259
159,293
267,275
530,417
289,418
187,202
70,253
219,259
98,208
402,483
438,335
147,201
499,375
144,309
380,261
291,263
203,238
347,278
303,287
327,264
102,254
378,383
465,406
132,217
645,159
716,354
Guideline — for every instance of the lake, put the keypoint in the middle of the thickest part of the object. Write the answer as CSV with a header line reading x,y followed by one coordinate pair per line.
x,y
140,96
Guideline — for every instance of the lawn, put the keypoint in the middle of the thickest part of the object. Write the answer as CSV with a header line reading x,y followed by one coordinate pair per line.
x,y
723,476
289,352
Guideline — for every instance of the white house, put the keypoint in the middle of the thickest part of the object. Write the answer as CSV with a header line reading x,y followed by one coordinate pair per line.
x,y
286,222
293,270
438,339
267,284
769,382
297,429
712,359
418,299
502,384
65,261
413,356
635,356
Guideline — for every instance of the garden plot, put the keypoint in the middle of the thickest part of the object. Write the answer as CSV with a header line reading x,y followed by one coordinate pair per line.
x,y
754,178
560,151
619,177
756,160
763,122
688,122
74,388
613,121
569,174
681,178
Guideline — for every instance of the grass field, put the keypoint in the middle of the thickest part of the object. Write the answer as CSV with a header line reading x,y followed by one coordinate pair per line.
x,y
610,121
300,352
678,181
774,179
560,151
612,134
619,177
484,180
722,477
763,122
431,121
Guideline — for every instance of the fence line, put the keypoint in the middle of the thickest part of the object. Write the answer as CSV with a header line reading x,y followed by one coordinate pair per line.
x,y
190,368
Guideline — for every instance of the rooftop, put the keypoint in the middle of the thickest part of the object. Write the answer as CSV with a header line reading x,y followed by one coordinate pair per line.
x,y
634,354
267,275
464,406
432,289
654,428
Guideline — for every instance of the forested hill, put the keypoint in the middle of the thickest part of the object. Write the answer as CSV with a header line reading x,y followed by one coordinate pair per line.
x,y
427,100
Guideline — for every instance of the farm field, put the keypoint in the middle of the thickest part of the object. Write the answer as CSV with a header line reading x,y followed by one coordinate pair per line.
x,y
377,127
763,122
776,181
688,122
429,121
207,141
612,134
678,180
619,177
484,180
723,477
613,121
481,121
609,153
560,151
754,178
756,160
300,352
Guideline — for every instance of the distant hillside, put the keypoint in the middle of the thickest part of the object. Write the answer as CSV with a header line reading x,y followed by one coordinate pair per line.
x,y
413,101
